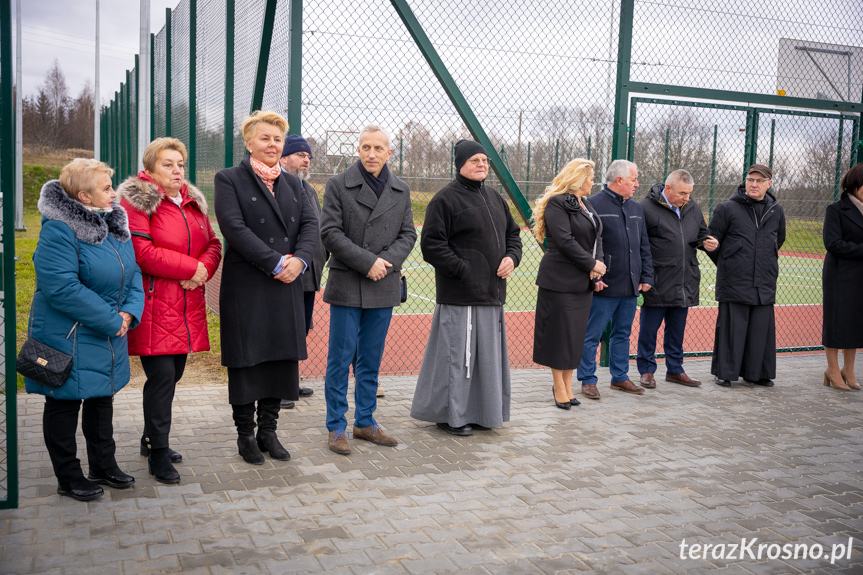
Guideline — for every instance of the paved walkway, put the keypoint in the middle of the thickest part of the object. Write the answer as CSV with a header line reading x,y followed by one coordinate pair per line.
x,y
612,487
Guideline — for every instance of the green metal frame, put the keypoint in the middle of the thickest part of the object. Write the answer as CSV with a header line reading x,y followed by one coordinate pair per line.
x,y
7,277
624,57
228,128
264,55
295,80
462,107
191,173
168,72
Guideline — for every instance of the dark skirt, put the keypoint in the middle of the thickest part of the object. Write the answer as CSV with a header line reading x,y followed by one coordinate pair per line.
x,y
279,379
561,323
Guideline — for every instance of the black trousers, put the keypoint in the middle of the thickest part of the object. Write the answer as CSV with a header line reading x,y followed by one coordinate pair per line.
x,y
163,372
60,425
745,344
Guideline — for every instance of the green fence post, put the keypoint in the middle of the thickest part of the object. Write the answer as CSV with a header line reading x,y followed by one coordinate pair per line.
x,y
153,86
295,79
589,141
115,137
856,142
128,169
712,173
264,55
527,175
451,160
772,140
133,162
838,161
168,72
747,149
229,83
191,172
122,158
630,149
401,156
665,161
7,178
461,105
624,55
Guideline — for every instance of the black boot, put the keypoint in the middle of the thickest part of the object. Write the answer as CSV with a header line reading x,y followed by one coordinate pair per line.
x,y
244,419
268,415
145,451
160,466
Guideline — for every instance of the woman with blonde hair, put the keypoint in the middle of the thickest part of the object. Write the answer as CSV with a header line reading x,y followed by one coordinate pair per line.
x,y
271,234
88,296
572,231
177,250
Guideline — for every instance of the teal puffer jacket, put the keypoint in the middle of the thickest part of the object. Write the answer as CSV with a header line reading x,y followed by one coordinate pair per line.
x,y
85,276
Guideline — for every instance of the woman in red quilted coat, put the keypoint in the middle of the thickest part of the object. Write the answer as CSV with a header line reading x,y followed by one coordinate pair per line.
x,y
177,250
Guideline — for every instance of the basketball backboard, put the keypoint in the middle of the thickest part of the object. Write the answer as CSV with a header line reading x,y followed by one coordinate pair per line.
x,y
342,143
819,70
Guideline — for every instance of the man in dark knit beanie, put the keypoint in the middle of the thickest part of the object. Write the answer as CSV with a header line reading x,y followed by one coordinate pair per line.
x,y
471,239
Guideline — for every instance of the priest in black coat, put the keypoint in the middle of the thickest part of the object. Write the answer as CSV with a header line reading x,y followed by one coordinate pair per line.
x,y
750,227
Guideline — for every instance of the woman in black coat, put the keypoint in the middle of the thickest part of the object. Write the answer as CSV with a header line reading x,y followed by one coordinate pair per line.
x,y
573,259
842,278
270,236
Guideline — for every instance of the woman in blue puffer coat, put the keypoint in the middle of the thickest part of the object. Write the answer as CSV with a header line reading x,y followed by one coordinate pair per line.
x,y
88,295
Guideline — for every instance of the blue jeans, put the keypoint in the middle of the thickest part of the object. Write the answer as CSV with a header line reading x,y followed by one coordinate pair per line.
x,y
675,327
620,311
360,333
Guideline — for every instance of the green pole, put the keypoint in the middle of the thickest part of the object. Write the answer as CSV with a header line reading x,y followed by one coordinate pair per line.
x,y
838,160
624,55
264,55
153,86
630,149
505,156
461,105
191,172
527,175
665,162
133,144
122,157
128,170
229,83
712,173
772,140
7,178
295,80
115,137
856,142
747,150
589,141
401,156
557,154
168,72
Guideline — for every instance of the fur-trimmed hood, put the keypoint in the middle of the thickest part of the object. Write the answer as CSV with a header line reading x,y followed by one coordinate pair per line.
x,y
146,197
89,227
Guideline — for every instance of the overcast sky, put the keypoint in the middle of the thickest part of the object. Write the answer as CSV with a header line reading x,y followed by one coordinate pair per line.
x,y
65,30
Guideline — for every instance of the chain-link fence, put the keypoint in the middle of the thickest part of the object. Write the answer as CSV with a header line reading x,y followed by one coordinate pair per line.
x,y
685,84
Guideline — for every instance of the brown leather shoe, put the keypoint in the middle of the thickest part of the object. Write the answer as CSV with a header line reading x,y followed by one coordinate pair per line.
x,y
627,386
338,442
682,379
648,381
589,391
376,435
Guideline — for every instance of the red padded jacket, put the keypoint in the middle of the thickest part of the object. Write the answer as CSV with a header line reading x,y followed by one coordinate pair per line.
x,y
169,242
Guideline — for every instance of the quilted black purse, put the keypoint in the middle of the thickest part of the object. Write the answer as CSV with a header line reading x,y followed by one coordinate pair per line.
x,y
44,364
404,289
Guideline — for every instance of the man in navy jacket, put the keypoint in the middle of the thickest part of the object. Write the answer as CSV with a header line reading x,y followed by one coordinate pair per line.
x,y
629,270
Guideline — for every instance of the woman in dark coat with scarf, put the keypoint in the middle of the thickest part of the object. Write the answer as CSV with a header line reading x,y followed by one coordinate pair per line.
x,y
474,244
88,295
177,250
270,237
842,278
573,259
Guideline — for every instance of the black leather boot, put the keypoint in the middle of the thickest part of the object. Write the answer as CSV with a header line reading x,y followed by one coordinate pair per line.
x,y
145,451
161,467
244,419
268,416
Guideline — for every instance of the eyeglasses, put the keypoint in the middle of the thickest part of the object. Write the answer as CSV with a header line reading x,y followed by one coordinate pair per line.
x,y
303,155
757,180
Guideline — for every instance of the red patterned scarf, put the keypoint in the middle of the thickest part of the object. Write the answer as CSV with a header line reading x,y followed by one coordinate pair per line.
x,y
267,174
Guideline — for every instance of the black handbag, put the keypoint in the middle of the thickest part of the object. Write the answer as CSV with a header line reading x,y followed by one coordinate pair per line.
x,y
404,286
44,364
